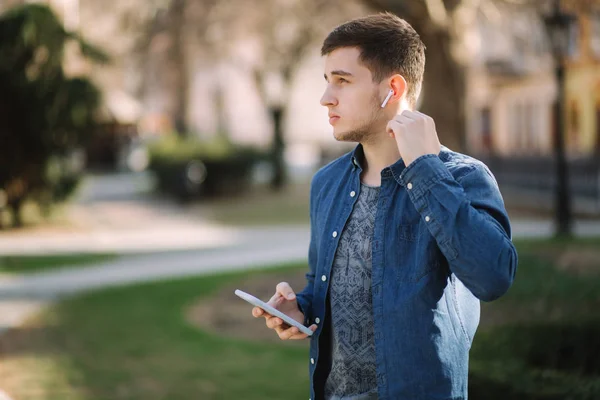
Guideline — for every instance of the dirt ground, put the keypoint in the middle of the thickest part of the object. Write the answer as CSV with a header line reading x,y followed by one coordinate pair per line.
x,y
227,315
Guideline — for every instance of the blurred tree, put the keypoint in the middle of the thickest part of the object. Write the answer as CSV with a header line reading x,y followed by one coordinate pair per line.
x,y
44,115
166,41
287,30
443,26
280,32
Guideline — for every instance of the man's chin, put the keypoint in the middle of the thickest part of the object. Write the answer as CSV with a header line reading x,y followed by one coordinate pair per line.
x,y
345,136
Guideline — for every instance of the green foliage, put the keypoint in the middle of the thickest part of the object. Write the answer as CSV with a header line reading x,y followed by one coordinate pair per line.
x,y
550,347
225,168
32,264
545,361
134,342
45,114
176,148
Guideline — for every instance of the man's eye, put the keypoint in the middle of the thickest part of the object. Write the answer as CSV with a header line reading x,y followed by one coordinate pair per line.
x,y
342,80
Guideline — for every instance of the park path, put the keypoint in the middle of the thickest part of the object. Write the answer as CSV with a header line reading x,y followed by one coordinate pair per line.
x,y
157,240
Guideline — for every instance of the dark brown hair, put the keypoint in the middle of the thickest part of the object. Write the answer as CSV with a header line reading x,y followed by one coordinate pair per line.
x,y
388,45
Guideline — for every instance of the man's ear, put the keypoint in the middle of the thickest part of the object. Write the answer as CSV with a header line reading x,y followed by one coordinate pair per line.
x,y
399,86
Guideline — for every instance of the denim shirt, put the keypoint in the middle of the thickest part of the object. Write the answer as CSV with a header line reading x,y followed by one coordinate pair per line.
x,y
441,243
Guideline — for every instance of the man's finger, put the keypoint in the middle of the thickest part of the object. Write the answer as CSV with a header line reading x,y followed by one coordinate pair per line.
x,y
274,322
410,115
424,116
286,291
403,119
285,334
259,312
273,300
393,124
301,335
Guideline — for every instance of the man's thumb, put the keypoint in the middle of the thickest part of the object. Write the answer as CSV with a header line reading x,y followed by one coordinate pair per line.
x,y
286,291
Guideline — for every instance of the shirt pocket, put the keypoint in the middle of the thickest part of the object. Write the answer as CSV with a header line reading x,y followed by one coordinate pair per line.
x,y
415,253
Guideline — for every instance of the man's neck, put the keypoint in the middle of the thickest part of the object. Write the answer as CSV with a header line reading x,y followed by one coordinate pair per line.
x,y
381,152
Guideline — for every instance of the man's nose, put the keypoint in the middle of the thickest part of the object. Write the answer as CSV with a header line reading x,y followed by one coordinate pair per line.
x,y
328,99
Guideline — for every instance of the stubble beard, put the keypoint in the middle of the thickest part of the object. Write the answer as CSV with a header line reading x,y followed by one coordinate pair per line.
x,y
368,129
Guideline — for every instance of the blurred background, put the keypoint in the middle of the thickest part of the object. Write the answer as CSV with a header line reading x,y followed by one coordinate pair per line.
x,y
155,155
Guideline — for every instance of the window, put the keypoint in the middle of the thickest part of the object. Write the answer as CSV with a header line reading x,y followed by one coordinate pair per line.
x,y
595,33
486,130
573,124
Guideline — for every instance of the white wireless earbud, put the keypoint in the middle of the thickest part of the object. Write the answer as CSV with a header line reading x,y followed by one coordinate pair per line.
x,y
387,98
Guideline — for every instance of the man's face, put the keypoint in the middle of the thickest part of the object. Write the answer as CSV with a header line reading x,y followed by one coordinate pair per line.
x,y
353,99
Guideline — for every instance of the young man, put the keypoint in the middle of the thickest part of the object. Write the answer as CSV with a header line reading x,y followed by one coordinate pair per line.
x,y
407,236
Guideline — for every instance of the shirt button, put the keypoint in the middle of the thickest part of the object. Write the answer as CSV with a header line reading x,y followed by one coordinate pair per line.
x,y
334,234
323,278
427,219
409,186
312,360
352,193
317,320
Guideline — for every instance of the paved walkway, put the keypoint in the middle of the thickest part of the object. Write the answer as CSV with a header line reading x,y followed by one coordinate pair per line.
x,y
176,233
158,240
220,249
21,295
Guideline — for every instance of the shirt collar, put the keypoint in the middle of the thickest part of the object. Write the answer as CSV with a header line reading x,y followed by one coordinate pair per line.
x,y
358,157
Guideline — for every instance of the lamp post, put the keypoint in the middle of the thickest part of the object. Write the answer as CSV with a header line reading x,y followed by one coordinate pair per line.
x,y
274,92
560,27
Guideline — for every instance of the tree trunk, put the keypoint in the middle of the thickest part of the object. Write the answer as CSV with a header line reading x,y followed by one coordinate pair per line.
x,y
179,66
444,90
279,179
221,108
444,83
16,206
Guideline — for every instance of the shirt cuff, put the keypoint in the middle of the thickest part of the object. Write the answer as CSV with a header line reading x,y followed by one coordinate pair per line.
x,y
303,307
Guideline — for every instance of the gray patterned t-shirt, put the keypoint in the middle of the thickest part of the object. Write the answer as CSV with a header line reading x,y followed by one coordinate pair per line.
x,y
353,375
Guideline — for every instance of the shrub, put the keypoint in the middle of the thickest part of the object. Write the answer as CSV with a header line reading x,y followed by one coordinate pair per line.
x,y
190,168
45,114
549,361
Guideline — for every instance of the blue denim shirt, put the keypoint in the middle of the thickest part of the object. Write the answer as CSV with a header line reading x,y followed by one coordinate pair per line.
x,y
442,242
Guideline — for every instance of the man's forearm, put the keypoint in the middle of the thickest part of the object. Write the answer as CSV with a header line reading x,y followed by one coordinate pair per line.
x,y
468,221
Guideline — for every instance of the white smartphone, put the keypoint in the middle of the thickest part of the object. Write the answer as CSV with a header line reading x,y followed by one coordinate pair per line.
x,y
274,312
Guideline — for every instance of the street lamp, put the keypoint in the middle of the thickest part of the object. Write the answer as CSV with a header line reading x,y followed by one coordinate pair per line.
x,y
274,92
560,27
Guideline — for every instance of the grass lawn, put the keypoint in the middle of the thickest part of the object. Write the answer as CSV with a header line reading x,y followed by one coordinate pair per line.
x,y
134,342
29,264
290,206
260,206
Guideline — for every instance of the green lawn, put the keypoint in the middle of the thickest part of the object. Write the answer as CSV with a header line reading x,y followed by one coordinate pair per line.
x,y
542,340
29,264
134,343
260,206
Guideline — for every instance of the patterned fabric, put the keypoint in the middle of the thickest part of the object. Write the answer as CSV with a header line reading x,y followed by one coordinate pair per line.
x,y
353,373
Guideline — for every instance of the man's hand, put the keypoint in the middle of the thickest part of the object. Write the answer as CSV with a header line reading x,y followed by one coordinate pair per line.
x,y
415,135
285,301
